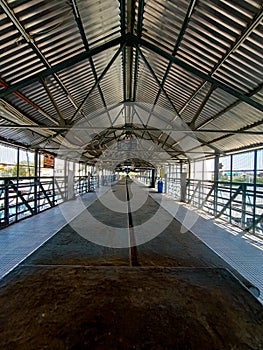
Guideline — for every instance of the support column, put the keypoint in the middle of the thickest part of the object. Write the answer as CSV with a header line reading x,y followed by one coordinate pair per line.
x,y
18,161
255,190
65,179
183,176
231,186
36,181
165,183
152,185
71,174
6,202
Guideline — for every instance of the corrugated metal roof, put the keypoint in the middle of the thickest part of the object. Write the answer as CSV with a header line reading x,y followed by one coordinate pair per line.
x,y
68,61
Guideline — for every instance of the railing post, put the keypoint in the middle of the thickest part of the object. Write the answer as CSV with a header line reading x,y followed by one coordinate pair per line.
x,y
36,166
255,190
35,195
152,184
183,187
53,191
165,183
89,184
70,185
216,177
6,200
244,197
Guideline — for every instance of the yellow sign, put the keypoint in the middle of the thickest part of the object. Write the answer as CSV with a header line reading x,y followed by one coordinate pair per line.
x,y
162,173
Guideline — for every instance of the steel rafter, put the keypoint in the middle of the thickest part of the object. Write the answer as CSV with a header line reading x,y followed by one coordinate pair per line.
x,y
139,34
179,39
157,81
200,74
53,101
177,44
34,47
190,131
87,48
231,106
201,107
98,81
138,41
61,66
257,19
29,102
242,130
124,56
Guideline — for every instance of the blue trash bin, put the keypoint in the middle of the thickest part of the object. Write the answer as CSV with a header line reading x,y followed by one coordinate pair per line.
x,y
160,186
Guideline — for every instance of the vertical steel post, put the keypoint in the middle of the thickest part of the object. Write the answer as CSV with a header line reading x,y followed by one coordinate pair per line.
x,y
36,158
244,196
216,178
152,185
18,161
65,179
53,185
231,186
6,211
183,176
17,178
255,190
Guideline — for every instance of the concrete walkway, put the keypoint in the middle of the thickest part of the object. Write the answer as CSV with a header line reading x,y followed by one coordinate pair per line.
x,y
21,239
242,251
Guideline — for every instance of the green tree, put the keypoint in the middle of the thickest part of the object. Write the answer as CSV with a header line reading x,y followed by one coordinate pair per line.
x,y
23,170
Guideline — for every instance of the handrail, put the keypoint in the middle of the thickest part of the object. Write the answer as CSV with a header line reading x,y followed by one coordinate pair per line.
x,y
27,196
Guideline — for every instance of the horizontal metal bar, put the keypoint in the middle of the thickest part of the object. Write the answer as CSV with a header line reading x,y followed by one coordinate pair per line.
x,y
70,127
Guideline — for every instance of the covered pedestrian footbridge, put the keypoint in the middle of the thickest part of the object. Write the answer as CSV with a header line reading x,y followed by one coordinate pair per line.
x,y
131,174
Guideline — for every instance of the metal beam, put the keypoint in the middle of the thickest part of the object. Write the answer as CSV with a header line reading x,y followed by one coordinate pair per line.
x,y
30,41
177,44
124,58
156,78
189,130
97,81
232,49
124,54
197,72
86,45
243,130
139,34
63,65
122,15
140,17
145,129
231,106
29,102
201,107
53,101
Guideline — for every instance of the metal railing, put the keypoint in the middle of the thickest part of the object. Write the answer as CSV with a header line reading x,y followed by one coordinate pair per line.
x,y
240,204
27,196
